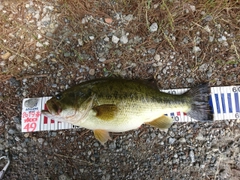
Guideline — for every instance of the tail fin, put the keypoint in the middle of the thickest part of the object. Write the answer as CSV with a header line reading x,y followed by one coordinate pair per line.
x,y
200,108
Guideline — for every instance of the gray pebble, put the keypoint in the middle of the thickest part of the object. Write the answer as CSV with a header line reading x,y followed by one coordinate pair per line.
x,y
102,59
38,44
64,177
54,85
153,27
124,39
11,131
157,57
196,49
208,18
106,39
182,140
80,42
200,137
129,17
40,140
67,54
171,140
191,154
190,80
92,72
115,39
91,37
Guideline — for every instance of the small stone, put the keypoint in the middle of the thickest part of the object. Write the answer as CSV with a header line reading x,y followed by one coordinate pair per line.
x,y
6,55
153,27
96,144
108,20
193,8
91,37
171,140
17,138
37,56
102,59
38,44
124,39
191,154
196,49
208,18
157,57
200,137
40,140
129,17
11,131
64,177
54,134
182,140
115,39
211,38
92,72
207,28
67,54
26,135
190,80
80,42
84,20
106,39
54,85
11,57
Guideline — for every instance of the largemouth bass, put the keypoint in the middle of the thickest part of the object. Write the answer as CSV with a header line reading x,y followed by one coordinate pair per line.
x,y
118,105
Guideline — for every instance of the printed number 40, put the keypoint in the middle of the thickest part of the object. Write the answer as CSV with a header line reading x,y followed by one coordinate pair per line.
x,y
30,127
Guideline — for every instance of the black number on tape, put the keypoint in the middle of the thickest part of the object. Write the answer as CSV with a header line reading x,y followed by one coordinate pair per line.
x,y
176,118
237,115
172,92
236,89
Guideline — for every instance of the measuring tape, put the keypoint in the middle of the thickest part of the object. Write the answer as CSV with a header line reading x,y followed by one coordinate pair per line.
x,y
223,100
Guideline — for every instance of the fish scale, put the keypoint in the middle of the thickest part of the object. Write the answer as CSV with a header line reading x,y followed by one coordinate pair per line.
x,y
224,102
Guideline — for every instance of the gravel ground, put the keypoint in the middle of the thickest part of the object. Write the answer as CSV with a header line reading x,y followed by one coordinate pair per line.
x,y
48,46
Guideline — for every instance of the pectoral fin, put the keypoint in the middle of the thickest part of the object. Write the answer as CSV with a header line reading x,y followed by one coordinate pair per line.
x,y
106,112
102,136
163,122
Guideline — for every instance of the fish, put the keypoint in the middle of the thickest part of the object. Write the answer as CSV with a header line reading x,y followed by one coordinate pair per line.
x,y
119,105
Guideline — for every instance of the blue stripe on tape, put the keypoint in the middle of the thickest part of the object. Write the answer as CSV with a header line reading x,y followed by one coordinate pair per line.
x,y
229,102
223,103
172,114
217,103
237,102
211,104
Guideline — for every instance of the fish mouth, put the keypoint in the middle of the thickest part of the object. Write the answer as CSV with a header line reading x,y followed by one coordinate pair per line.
x,y
53,108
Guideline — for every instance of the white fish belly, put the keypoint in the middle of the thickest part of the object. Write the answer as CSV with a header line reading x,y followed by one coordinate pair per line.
x,y
130,117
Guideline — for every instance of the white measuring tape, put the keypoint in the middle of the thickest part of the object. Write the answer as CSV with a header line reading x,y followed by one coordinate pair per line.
x,y
225,102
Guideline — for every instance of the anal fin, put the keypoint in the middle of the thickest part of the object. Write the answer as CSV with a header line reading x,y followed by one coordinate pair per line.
x,y
163,122
102,136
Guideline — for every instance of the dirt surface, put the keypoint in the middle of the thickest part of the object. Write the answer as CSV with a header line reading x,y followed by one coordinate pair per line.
x,y
48,46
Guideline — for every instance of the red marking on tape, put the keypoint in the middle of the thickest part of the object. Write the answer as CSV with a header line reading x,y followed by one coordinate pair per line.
x,y
45,119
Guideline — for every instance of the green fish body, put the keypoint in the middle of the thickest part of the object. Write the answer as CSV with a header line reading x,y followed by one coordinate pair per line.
x,y
118,105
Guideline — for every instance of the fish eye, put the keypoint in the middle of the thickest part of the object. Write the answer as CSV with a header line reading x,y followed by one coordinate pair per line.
x,y
58,96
